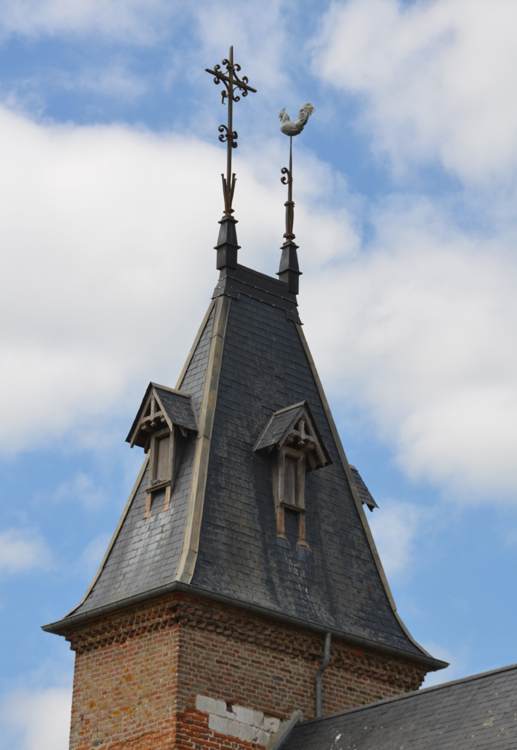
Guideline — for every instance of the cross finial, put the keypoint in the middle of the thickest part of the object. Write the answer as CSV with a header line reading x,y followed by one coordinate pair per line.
x,y
232,84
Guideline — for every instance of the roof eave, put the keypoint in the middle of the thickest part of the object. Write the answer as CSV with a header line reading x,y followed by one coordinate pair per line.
x,y
61,626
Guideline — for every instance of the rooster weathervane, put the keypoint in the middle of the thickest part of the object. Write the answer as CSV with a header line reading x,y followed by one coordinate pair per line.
x,y
292,128
232,83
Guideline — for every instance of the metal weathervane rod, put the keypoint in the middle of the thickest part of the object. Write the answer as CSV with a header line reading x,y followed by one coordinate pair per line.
x,y
232,84
287,179
292,128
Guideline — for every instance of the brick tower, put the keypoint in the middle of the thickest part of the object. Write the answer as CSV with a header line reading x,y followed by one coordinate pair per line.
x,y
242,586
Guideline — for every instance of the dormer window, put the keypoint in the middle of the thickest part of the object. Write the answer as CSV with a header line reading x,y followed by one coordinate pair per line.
x,y
295,446
161,428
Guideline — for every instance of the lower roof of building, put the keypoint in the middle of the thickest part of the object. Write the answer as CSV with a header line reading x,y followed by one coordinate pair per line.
x,y
478,712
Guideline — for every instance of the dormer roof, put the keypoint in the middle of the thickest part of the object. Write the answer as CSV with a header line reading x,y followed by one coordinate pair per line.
x,y
175,408
281,427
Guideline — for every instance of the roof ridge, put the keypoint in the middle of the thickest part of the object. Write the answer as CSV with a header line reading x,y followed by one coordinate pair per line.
x,y
414,693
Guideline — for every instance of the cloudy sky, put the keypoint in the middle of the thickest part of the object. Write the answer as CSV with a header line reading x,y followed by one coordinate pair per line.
x,y
406,216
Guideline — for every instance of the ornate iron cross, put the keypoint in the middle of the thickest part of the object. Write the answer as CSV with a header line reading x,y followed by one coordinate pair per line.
x,y
232,83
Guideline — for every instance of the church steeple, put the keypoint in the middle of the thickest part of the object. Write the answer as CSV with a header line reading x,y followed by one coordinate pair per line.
x,y
243,544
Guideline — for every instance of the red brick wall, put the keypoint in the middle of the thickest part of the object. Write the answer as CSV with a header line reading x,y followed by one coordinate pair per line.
x,y
125,690
138,673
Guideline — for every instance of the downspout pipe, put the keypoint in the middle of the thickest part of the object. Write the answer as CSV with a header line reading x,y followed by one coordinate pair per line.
x,y
319,675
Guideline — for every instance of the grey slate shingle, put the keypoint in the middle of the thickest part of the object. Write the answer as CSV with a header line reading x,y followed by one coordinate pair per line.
x,y
476,713
178,407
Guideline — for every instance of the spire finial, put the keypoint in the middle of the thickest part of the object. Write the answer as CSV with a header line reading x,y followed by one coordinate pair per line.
x,y
232,83
289,270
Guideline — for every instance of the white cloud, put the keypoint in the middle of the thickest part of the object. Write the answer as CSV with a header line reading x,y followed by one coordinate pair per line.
x,y
437,79
423,342
129,20
22,550
37,719
429,313
395,527
110,271
110,268
258,32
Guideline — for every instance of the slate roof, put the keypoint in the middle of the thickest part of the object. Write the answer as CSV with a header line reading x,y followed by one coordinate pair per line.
x,y
364,492
178,406
335,583
475,713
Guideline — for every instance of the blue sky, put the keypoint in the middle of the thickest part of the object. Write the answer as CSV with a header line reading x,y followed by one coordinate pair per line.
x,y
406,217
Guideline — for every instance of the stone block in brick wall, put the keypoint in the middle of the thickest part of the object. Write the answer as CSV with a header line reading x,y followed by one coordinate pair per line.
x,y
239,721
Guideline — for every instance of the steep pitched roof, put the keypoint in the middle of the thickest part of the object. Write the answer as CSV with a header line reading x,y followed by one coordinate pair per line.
x,y
220,536
476,712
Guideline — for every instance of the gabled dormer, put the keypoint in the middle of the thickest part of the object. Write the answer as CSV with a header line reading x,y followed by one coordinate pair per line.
x,y
296,447
161,427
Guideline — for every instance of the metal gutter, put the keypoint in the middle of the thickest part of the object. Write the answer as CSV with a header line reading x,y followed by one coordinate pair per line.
x,y
61,626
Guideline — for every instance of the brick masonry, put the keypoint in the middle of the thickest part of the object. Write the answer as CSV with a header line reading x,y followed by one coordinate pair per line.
x,y
184,672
